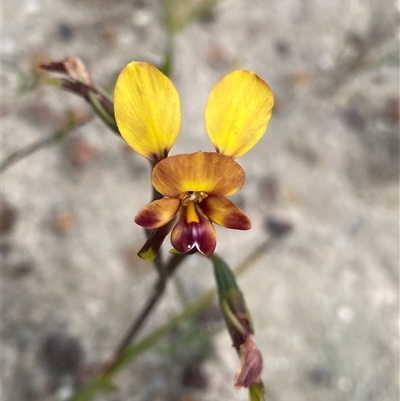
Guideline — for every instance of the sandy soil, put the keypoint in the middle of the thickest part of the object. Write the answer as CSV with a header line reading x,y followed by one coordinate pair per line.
x,y
324,302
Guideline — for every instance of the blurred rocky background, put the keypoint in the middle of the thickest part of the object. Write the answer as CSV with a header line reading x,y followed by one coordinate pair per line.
x,y
324,301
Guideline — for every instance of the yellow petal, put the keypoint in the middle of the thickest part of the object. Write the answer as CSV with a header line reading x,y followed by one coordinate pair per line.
x,y
209,172
147,110
237,112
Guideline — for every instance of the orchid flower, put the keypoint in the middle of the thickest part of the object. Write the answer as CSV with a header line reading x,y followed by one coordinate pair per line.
x,y
194,186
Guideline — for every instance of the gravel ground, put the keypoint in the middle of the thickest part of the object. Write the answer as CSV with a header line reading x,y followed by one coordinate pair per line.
x,y
324,301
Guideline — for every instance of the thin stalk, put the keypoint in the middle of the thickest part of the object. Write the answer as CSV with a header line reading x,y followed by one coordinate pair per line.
x,y
151,303
60,134
122,355
127,354
168,63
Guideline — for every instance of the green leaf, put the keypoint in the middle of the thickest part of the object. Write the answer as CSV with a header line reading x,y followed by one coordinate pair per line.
x,y
225,279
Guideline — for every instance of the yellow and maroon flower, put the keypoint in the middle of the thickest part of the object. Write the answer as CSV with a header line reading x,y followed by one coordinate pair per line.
x,y
194,186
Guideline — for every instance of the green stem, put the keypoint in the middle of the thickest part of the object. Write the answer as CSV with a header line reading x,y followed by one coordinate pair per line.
x,y
154,337
101,111
127,354
59,135
158,291
229,315
158,263
168,63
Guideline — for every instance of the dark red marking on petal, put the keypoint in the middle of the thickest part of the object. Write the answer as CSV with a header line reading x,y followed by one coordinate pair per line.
x,y
157,213
187,236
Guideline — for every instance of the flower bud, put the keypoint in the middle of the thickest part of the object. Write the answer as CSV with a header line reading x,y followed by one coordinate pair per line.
x,y
81,83
238,321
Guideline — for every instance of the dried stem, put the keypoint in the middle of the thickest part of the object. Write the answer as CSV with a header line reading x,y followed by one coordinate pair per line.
x,y
69,125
